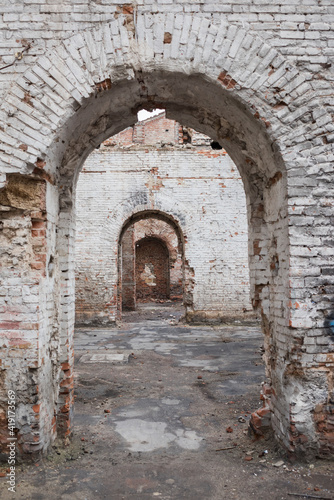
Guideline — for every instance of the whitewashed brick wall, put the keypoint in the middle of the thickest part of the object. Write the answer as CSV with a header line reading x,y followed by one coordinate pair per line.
x,y
254,75
302,30
199,187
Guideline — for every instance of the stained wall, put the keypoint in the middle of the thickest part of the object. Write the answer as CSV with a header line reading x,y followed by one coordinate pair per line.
x,y
159,169
256,76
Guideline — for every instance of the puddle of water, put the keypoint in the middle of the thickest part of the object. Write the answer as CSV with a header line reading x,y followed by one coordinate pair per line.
x,y
144,435
188,440
170,402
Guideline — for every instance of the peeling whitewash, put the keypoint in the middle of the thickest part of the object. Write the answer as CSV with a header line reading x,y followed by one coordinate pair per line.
x,y
198,187
258,78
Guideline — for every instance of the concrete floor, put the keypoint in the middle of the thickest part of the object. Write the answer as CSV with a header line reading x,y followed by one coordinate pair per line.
x,y
154,400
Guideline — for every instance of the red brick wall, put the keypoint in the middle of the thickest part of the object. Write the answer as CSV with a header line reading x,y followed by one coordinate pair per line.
x,y
155,228
124,138
151,131
152,270
162,130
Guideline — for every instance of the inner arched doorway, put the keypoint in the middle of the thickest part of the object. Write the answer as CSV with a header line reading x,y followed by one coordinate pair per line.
x,y
152,270
151,261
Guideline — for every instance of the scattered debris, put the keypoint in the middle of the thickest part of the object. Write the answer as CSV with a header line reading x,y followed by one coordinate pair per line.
x,y
304,495
227,448
229,429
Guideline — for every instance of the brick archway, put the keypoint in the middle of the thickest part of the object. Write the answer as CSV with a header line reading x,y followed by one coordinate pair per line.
x,y
170,267
220,80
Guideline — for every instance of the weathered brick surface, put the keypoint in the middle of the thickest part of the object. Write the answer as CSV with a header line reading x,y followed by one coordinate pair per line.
x,y
152,269
126,280
27,325
207,200
165,232
163,276
255,76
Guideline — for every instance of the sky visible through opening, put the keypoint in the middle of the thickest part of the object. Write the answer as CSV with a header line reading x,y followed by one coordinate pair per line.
x,y
143,114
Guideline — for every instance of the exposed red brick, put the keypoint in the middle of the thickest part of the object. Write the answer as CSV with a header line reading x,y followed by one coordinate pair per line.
x,y
127,9
10,325
28,99
324,423
40,163
226,80
44,175
37,265
273,180
152,269
36,408
104,85
256,247
167,37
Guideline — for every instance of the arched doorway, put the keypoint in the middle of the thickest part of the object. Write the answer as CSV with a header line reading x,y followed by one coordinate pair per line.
x,y
176,171
151,261
79,99
152,270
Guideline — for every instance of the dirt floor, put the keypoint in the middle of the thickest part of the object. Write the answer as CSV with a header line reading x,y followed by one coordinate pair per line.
x,y
162,411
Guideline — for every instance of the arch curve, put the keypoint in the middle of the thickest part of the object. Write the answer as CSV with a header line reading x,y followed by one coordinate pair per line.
x,y
249,73
164,209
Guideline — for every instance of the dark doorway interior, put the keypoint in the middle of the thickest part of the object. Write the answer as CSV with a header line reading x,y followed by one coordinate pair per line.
x,y
152,270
